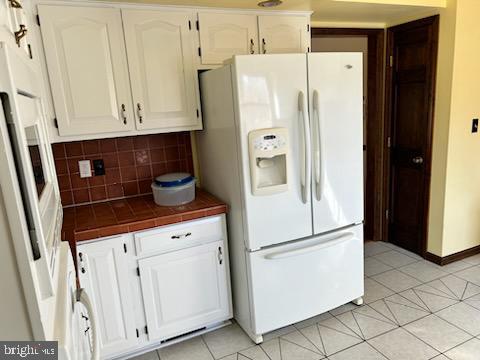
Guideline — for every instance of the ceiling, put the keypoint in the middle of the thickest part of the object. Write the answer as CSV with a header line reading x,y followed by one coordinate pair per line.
x,y
351,11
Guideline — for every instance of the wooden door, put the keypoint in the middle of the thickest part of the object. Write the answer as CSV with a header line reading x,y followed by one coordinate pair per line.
x,y
160,59
412,48
223,35
103,272
87,67
283,34
185,290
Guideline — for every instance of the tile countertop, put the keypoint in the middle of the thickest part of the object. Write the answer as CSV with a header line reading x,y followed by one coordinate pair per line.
x,y
86,222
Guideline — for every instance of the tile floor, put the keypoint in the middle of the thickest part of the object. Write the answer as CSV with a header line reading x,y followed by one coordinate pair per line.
x,y
414,310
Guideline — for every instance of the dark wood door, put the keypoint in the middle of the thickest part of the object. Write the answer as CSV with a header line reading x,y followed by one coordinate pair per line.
x,y
411,75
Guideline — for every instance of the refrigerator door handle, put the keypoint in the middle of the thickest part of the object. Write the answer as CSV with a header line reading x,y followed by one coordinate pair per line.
x,y
310,248
305,173
317,144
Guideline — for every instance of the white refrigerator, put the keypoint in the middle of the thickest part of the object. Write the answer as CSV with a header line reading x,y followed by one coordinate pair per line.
x,y
283,146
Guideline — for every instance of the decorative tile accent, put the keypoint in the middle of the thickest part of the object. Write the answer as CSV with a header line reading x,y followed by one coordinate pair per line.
x,y
131,164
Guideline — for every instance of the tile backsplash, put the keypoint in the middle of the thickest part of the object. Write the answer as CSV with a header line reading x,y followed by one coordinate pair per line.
x,y
131,164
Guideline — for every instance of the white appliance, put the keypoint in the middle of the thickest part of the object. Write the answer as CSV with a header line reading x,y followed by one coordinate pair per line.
x,y
283,147
40,300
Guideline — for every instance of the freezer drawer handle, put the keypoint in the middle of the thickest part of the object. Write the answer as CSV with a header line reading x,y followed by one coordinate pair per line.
x,y
305,172
308,249
317,151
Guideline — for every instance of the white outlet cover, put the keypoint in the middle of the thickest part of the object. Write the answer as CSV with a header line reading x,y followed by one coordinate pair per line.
x,y
84,168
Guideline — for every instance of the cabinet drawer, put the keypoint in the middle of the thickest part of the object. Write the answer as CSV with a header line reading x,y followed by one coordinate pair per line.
x,y
179,236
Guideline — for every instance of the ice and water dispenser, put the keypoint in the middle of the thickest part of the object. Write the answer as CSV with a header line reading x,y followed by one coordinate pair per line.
x,y
268,160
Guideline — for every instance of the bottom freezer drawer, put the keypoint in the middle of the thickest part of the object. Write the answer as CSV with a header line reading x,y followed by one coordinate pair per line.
x,y
293,282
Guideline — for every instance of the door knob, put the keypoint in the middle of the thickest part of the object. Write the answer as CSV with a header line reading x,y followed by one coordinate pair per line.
x,y
417,160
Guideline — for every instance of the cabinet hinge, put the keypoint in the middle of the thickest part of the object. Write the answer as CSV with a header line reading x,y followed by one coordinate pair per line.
x,y
200,51
308,27
125,248
30,51
198,113
197,25
146,329
138,333
189,25
37,18
308,49
55,122
391,60
138,271
386,214
389,142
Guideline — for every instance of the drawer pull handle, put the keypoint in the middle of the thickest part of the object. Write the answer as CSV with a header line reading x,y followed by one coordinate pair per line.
x,y
179,236
220,255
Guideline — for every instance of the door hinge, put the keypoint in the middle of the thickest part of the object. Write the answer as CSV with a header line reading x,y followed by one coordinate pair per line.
x,y
389,142
198,113
146,329
138,271
125,248
197,25
308,49
138,333
189,25
308,27
386,214
55,122
200,51
37,18
391,60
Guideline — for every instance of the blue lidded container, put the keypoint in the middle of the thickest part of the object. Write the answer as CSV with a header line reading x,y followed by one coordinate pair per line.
x,y
174,189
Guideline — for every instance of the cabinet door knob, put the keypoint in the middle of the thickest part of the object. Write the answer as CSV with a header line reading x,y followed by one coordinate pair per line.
x,y
252,45
264,46
139,113
124,114
15,4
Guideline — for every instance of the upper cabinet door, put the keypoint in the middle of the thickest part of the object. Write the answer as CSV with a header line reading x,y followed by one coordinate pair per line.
x,y
223,35
160,58
283,34
87,67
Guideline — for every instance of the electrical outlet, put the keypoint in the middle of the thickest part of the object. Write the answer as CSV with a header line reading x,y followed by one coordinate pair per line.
x,y
474,125
98,167
84,168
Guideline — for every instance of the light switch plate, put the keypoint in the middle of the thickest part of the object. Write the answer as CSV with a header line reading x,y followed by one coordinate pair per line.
x,y
85,168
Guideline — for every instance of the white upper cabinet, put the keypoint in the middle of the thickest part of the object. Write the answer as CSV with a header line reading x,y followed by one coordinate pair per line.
x,y
103,272
184,290
283,34
223,35
162,73
86,60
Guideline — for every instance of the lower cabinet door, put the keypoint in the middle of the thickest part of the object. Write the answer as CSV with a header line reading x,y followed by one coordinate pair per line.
x,y
103,272
185,290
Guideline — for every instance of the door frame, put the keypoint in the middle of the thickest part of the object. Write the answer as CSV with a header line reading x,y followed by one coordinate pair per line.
x,y
376,154
432,73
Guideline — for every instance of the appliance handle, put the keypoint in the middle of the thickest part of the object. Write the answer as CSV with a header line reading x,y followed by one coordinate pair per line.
x,y
310,248
84,299
317,152
305,173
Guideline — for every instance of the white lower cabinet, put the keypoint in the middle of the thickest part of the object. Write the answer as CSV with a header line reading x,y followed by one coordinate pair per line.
x,y
184,290
103,272
172,289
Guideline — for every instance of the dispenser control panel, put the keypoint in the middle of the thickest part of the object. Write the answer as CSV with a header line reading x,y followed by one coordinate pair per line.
x,y
268,150
269,142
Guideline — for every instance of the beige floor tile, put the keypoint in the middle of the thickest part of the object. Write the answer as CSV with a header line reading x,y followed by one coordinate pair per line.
x,y
227,340
362,351
193,349
464,316
396,280
395,259
467,351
